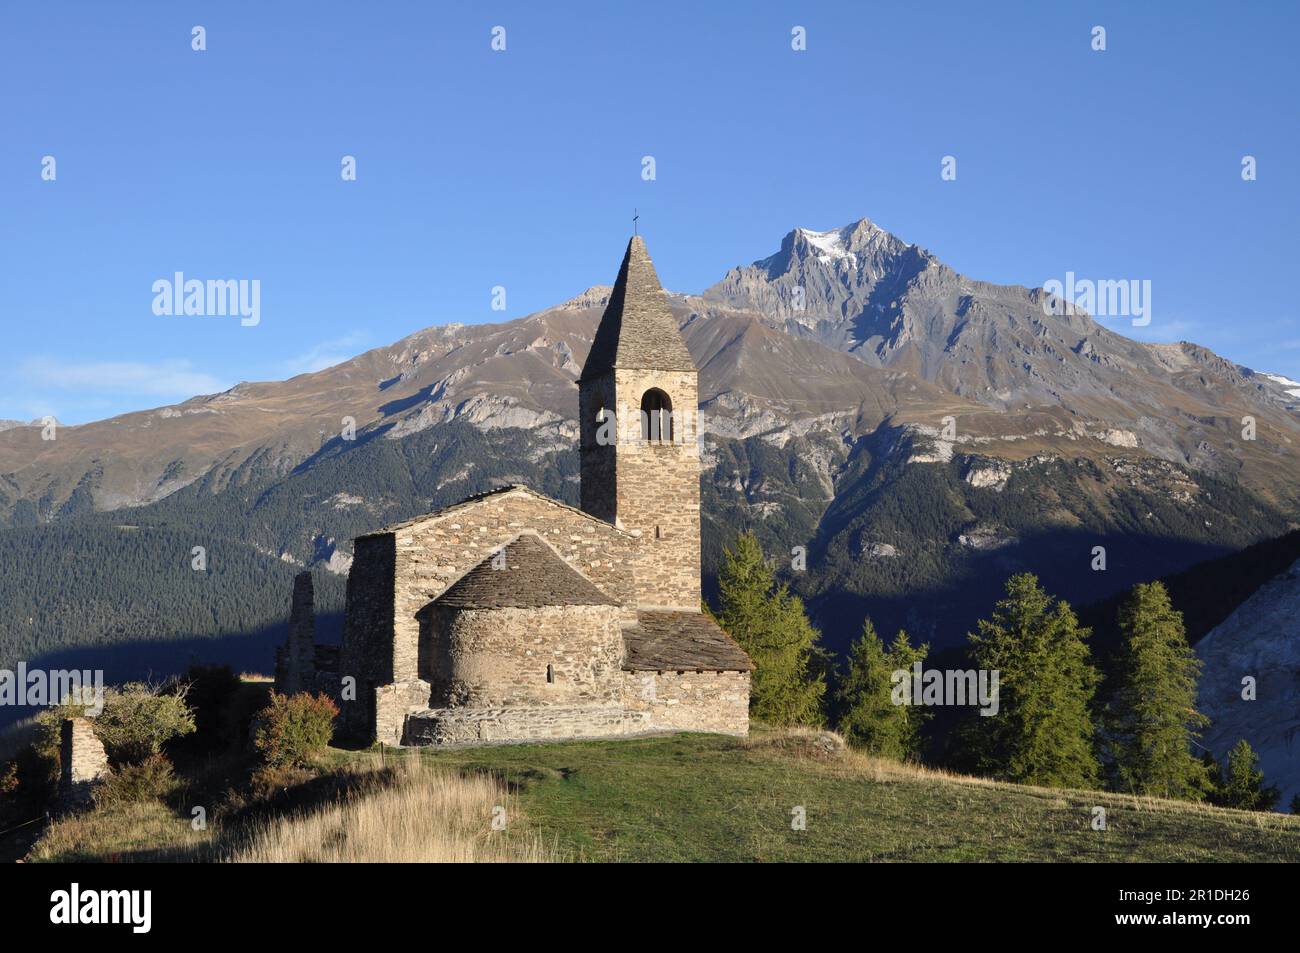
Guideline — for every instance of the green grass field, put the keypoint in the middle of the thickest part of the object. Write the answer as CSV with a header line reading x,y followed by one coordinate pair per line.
x,y
709,798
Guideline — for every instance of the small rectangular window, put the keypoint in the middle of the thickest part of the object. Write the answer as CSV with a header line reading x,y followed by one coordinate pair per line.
x,y
550,675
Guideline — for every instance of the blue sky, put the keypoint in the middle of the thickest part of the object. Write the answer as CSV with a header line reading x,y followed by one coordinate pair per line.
x,y
521,168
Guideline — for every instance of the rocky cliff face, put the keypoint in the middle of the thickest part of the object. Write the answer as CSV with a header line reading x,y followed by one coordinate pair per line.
x,y
1260,641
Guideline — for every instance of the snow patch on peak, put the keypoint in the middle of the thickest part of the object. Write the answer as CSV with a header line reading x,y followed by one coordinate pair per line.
x,y
832,244
1292,387
837,244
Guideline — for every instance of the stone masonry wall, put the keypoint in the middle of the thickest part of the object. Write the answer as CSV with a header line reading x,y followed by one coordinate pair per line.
x,y
485,658
432,553
469,726
658,488
647,487
599,487
716,702
367,650
395,575
393,703
299,673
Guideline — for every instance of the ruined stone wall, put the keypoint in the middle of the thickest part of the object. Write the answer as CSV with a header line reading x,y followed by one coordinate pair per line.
x,y
715,702
82,761
491,658
296,665
433,553
392,704
366,653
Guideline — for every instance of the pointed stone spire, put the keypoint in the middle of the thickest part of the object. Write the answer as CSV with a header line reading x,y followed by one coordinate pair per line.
x,y
638,329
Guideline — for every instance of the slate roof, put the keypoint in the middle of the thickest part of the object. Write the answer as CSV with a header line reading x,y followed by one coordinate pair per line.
x,y
534,575
638,329
664,641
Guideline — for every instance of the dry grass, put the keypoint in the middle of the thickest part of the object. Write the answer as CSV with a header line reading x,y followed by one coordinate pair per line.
x,y
427,816
127,832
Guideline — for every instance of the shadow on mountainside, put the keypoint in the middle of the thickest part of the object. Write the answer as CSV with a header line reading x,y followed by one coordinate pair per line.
x,y
943,614
155,659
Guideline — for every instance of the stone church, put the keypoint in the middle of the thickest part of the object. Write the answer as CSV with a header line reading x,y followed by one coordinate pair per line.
x,y
511,617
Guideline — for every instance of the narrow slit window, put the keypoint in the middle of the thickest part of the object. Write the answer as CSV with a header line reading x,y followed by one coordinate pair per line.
x,y
550,674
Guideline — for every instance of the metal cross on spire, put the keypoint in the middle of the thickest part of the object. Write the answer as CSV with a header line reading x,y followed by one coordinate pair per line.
x,y
635,216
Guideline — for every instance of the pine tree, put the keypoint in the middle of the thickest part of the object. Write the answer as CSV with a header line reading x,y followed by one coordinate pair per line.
x,y
1241,783
769,622
1154,716
1043,732
869,717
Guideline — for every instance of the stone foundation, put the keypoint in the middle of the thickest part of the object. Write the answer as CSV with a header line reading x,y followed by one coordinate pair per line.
x,y
473,726
708,702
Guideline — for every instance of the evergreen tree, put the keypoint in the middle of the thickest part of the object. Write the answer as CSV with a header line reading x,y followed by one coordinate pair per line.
x,y
1154,716
771,625
1043,732
1241,783
869,717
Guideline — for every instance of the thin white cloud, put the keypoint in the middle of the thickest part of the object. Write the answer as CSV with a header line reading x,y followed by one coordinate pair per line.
x,y
170,378
325,354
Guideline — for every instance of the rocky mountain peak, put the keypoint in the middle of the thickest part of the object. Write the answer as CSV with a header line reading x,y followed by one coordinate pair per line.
x,y
837,286
862,248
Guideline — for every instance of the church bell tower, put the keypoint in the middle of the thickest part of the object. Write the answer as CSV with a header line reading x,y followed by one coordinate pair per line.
x,y
638,400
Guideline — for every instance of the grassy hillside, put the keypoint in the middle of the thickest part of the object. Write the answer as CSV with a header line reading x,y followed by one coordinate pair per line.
x,y
699,797
705,798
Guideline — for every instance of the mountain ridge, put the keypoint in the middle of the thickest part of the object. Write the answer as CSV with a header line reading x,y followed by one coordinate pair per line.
x,y
985,354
